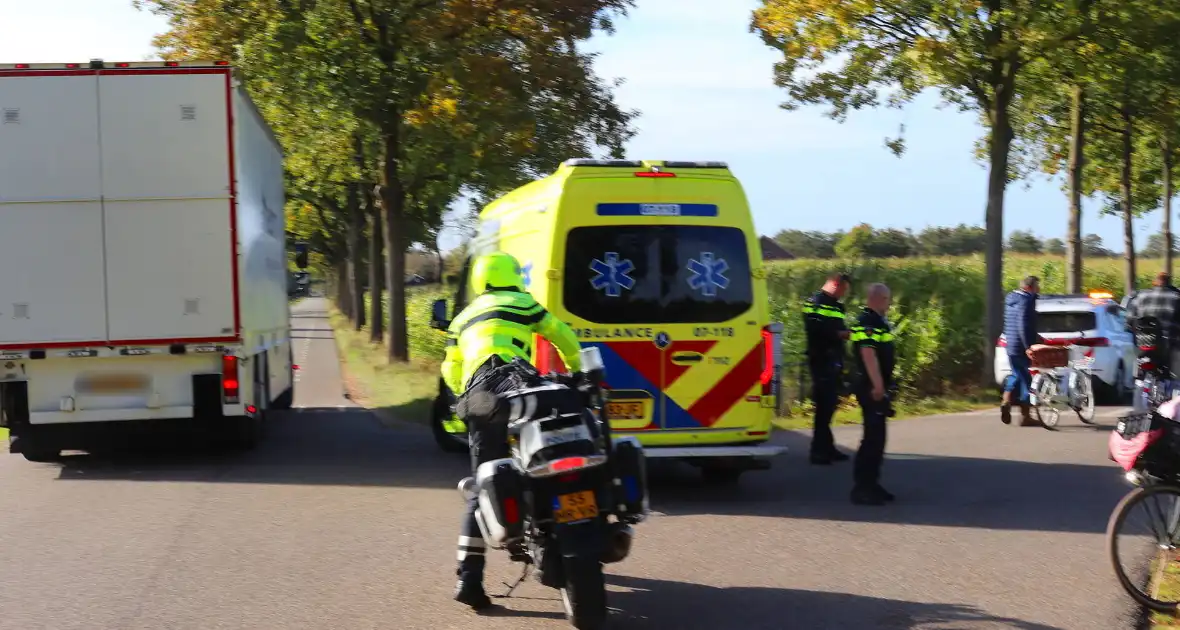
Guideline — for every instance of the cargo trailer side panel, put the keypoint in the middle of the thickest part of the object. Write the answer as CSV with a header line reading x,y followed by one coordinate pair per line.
x,y
261,226
51,244
167,158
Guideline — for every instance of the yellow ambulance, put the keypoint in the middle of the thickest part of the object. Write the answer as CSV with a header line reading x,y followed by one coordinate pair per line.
x,y
658,265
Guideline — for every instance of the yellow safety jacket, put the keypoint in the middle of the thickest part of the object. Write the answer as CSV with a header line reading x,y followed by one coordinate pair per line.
x,y
502,323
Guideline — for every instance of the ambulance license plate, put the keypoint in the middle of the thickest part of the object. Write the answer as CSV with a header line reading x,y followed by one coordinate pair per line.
x,y
575,506
626,410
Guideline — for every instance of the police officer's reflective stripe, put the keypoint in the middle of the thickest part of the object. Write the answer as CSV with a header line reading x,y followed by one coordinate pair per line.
x,y
471,546
823,311
454,425
525,316
860,333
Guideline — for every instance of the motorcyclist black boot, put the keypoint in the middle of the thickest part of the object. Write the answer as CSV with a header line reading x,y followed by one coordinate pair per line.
x,y
471,593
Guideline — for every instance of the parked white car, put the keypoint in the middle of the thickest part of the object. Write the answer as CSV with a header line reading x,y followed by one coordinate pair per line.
x,y
1097,326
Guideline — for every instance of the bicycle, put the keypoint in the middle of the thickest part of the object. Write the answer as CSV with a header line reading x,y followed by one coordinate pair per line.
x,y
1055,387
1146,446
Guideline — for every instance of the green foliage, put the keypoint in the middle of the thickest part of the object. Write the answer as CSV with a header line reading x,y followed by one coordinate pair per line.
x,y
1055,247
863,241
1023,242
811,244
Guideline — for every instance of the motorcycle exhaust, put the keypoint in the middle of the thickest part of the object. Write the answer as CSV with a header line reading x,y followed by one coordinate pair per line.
x,y
618,543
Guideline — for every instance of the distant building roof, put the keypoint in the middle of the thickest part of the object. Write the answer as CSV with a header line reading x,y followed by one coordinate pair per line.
x,y
771,250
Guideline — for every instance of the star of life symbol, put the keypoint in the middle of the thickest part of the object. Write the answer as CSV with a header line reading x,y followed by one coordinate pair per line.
x,y
612,274
708,275
527,272
662,340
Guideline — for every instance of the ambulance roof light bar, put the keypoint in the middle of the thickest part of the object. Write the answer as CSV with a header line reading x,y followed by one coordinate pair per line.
x,y
702,164
610,163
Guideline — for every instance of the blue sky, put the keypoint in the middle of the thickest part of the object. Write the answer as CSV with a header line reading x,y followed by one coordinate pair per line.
x,y
703,84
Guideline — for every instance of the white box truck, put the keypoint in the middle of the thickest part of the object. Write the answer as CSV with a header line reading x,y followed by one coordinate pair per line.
x,y
143,267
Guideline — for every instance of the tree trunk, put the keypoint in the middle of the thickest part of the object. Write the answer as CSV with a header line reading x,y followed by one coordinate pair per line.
x,y
1077,160
999,146
343,293
356,276
393,201
1129,275
1166,153
376,274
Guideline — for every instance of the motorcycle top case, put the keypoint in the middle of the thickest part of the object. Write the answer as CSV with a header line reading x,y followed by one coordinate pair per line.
x,y
501,498
630,478
550,422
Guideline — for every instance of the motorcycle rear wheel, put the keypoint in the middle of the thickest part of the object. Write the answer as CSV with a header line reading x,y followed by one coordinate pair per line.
x,y
584,594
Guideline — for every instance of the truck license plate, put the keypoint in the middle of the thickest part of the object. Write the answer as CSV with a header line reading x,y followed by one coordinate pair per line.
x,y
112,383
626,410
575,506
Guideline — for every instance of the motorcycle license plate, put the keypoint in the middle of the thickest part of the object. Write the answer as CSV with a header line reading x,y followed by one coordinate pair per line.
x,y
575,506
626,410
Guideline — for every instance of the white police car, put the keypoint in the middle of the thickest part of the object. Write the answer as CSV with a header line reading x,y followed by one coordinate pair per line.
x,y
1096,325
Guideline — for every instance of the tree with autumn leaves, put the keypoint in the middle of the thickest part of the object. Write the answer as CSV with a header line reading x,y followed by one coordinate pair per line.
x,y
1084,86
390,110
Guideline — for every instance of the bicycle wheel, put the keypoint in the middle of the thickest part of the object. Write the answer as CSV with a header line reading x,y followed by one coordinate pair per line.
x,y
1082,397
1046,407
1141,541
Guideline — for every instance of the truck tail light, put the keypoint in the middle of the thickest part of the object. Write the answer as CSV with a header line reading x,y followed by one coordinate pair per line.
x,y
230,385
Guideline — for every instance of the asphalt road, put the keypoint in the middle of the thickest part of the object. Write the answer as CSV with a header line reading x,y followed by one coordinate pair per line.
x,y
339,523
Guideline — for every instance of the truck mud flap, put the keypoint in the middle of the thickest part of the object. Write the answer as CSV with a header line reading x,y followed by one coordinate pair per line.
x,y
207,396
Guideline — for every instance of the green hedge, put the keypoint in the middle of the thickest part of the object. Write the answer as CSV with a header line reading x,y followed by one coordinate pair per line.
x,y
938,306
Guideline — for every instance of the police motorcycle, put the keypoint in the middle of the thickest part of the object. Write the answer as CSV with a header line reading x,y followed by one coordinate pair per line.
x,y
565,500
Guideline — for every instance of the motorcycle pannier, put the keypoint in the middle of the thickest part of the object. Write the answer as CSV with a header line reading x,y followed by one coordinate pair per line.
x,y
501,502
630,478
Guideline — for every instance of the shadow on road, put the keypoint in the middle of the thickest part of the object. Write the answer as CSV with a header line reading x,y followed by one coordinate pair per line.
x,y
932,490
658,604
304,446
350,447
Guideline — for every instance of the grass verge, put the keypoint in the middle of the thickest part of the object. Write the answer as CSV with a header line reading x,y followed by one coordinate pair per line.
x,y
1169,589
801,417
396,390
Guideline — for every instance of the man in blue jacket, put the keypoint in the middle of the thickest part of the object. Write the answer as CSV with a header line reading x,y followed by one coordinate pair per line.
x,y
1020,333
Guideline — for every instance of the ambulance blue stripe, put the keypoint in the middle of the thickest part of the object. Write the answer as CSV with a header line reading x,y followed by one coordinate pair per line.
x,y
635,210
620,375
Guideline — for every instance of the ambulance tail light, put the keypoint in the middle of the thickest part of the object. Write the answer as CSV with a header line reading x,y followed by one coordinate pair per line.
x,y
230,385
771,358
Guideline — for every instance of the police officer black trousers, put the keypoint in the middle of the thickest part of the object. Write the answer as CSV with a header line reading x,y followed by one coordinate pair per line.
x,y
866,470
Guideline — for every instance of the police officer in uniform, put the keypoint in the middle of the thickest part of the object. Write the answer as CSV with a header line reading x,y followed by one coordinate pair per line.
x,y
482,343
873,343
823,320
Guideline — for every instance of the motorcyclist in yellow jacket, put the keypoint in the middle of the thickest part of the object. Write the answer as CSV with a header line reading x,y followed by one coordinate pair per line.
x,y
482,342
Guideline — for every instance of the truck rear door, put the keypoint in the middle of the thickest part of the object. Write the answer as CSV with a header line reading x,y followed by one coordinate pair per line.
x,y
51,214
166,174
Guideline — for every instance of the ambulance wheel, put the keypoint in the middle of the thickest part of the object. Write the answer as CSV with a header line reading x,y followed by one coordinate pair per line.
x,y
440,412
721,476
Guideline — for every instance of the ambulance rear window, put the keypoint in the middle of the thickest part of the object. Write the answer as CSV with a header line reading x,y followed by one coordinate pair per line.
x,y
657,274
